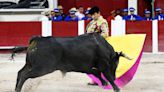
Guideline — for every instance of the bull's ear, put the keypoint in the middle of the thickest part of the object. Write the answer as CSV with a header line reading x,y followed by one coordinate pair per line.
x,y
120,53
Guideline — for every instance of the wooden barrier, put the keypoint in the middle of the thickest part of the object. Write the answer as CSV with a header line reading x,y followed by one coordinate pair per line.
x,y
18,33
140,27
161,36
64,29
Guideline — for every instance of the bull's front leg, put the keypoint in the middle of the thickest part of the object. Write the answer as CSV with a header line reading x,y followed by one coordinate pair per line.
x,y
97,74
105,69
19,84
107,74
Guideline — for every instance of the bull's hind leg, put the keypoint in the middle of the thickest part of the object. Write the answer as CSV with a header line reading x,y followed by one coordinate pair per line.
x,y
22,77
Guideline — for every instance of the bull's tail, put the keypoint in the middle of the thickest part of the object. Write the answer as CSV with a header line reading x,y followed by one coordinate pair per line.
x,y
121,54
17,50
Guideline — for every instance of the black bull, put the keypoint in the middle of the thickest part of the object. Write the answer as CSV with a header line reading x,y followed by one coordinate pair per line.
x,y
88,53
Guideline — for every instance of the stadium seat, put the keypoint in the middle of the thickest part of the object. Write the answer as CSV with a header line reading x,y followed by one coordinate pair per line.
x,y
33,4
6,3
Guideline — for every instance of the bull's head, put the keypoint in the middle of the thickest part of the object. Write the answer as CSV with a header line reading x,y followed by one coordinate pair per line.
x,y
116,62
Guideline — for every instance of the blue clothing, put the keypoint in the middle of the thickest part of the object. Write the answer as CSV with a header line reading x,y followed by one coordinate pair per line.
x,y
86,18
124,17
68,18
133,17
57,18
148,19
159,17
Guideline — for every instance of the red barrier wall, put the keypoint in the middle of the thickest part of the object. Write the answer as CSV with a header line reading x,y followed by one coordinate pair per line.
x,y
160,3
139,27
18,33
64,29
161,36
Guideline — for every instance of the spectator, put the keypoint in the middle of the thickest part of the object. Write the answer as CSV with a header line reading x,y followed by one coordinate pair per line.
x,y
112,16
45,16
124,13
147,15
55,15
72,16
118,14
61,13
132,16
87,16
80,12
159,15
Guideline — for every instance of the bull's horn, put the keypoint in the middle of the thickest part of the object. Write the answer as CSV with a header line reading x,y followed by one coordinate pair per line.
x,y
125,56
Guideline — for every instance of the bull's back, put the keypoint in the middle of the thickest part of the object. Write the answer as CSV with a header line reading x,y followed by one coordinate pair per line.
x,y
79,52
62,51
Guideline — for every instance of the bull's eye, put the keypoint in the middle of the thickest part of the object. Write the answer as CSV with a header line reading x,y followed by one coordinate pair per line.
x,y
34,49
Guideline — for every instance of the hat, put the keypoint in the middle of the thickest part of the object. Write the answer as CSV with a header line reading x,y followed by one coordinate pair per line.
x,y
158,9
56,10
72,11
125,10
131,9
147,12
60,7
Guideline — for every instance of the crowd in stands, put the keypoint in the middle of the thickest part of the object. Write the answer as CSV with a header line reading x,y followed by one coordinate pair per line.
x,y
74,14
81,14
147,15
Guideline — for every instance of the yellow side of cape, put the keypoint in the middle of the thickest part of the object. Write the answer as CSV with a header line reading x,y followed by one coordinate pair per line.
x,y
131,45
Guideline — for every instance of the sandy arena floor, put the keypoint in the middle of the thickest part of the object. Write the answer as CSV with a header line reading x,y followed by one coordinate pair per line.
x,y
149,78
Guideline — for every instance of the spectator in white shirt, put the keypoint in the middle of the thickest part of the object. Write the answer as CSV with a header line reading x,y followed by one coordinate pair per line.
x,y
80,13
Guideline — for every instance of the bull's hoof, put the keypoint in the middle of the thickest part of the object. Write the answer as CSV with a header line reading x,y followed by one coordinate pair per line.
x,y
117,90
105,84
93,84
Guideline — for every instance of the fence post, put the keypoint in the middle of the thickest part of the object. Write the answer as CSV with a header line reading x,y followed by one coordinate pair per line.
x,y
155,36
118,26
81,27
46,28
